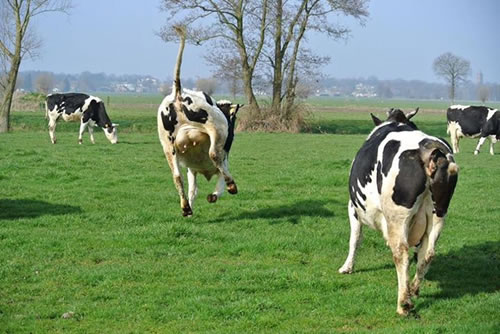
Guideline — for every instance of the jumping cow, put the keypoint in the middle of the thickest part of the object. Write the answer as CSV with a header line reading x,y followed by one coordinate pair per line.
x,y
197,133
89,110
473,122
401,183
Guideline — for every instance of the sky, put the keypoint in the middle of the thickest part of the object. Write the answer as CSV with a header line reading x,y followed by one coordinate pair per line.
x,y
400,40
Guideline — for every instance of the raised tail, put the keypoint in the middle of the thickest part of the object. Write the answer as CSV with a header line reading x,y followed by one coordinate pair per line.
x,y
181,31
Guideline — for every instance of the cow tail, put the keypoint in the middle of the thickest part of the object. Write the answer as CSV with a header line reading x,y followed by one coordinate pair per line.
x,y
46,110
181,32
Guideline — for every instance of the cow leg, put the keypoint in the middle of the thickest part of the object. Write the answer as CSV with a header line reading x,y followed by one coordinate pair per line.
x,y
91,134
218,156
219,190
177,176
354,240
52,130
82,130
454,140
479,144
426,252
493,140
399,246
193,188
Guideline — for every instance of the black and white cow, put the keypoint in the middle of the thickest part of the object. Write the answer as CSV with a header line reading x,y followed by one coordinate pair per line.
x,y
197,133
473,122
401,183
89,110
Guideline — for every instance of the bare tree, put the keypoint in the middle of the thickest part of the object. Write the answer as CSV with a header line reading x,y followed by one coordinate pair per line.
x,y
207,85
453,69
17,41
290,22
241,23
44,83
484,93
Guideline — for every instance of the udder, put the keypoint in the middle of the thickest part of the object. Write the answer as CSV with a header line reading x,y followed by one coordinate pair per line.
x,y
192,147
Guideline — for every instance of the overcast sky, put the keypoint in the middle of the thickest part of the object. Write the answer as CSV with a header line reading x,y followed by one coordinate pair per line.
x,y
401,39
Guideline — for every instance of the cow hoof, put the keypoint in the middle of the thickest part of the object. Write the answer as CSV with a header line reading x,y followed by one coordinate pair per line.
x,y
80,142
187,212
345,270
476,152
231,188
212,198
405,308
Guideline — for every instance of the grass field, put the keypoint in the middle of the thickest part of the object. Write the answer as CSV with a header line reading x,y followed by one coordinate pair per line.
x,y
97,230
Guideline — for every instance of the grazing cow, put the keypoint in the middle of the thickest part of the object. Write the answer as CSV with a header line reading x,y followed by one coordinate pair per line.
x,y
473,122
401,183
89,110
197,133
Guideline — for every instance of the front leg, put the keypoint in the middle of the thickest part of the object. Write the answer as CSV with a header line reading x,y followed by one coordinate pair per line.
x,y
219,190
83,125
193,187
91,134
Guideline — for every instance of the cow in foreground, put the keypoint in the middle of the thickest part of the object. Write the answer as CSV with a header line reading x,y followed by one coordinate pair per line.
x,y
197,133
401,183
89,110
473,122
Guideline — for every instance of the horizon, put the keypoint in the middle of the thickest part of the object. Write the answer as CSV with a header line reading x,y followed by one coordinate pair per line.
x,y
400,40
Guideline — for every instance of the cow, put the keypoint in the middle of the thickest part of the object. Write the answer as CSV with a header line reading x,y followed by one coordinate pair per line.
x,y
89,110
473,122
196,132
401,183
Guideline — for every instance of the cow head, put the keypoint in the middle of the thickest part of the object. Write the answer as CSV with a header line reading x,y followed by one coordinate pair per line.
x,y
397,116
110,132
229,110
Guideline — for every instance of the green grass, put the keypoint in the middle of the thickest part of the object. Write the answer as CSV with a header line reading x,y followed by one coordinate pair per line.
x,y
97,230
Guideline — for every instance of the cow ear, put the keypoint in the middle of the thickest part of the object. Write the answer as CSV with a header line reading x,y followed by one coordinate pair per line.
x,y
376,120
412,113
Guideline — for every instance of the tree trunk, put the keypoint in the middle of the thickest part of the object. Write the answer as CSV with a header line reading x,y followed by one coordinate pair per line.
x,y
278,59
6,103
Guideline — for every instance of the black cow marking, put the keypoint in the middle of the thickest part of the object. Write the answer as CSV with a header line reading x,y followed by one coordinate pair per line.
x,y
379,177
199,116
390,150
188,99
208,98
170,119
411,179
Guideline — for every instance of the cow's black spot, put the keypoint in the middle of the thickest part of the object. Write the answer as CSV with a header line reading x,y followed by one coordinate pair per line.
x,y
188,99
411,179
379,177
208,98
200,115
170,119
390,150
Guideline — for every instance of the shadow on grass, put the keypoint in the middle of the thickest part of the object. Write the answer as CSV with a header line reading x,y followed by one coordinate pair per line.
x,y
468,271
291,213
30,208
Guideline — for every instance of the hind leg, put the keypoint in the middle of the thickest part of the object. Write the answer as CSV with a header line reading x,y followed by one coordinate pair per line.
x,y
193,187
219,158
426,252
479,144
354,240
